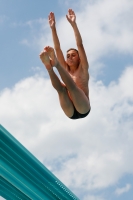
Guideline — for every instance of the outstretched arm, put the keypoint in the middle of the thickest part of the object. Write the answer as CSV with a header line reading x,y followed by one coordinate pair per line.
x,y
71,17
57,48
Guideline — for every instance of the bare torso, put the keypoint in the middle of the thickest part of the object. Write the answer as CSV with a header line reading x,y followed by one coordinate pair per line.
x,y
81,78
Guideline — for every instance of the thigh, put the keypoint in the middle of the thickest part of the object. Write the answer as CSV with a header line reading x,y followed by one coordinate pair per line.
x,y
66,102
80,100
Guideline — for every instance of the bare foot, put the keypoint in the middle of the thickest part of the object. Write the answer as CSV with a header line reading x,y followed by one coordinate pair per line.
x,y
52,55
46,60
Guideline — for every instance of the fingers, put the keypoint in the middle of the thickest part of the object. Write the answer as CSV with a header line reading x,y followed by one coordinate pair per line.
x,y
51,16
71,12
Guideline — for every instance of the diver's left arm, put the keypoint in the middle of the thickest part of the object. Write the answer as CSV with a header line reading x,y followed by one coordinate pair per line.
x,y
71,17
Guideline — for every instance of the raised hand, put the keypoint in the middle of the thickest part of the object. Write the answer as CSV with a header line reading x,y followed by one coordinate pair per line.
x,y
51,19
71,17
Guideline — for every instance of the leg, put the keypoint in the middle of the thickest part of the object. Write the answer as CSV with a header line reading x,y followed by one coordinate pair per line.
x,y
78,97
65,101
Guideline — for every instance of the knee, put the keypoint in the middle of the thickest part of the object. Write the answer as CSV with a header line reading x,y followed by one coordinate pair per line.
x,y
66,91
62,90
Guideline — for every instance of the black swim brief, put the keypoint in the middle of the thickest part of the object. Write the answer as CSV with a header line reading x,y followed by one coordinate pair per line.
x,y
77,115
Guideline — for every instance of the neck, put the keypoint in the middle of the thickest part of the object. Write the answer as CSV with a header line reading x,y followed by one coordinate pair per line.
x,y
72,69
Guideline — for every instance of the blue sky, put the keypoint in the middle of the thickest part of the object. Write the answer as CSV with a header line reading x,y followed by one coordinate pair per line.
x,y
92,156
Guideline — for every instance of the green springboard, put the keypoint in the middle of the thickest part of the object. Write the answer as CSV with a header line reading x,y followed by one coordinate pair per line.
x,y
24,177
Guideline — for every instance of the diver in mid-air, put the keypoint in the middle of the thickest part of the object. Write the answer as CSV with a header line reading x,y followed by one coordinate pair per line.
x,y
74,91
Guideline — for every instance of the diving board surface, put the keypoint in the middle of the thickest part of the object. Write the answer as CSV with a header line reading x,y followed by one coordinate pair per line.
x,y
24,177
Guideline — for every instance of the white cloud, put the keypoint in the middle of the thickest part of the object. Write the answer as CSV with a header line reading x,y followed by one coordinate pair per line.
x,y
120,191
87,154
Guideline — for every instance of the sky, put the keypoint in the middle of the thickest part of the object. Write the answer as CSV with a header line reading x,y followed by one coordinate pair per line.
x,y
91,156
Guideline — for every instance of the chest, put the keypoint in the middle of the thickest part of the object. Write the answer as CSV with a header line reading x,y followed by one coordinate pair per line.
x,y
79,75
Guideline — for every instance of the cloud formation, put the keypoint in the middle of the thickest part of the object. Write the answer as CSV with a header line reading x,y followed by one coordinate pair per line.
x,y
87,154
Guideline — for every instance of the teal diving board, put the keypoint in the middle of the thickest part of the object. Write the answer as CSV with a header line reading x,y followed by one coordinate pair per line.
x,y
24,177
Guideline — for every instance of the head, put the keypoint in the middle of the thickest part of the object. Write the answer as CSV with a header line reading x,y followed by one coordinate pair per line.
x,y
72,57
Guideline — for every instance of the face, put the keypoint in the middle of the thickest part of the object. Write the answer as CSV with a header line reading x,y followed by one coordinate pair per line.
x,y
73,58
